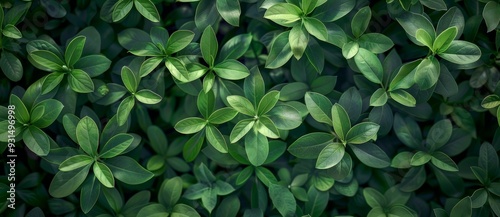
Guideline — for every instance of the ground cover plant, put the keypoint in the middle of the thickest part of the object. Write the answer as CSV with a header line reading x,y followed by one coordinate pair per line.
x,y
250,108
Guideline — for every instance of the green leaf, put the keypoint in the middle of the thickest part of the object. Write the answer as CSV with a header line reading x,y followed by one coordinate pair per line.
x,y
52,109
443,40
147,9
216,139
178,41
48,60
402,160
231,70
369,65
411,22
282,199
360,21
285,117
309,5
193,146
130,79
75,162
266,127
284,14
103,174
293,91
309,146
423,37
371,155
452,17
254,86
280,51
488,159
116,145
242,105
121,9
319,107
65,183
170,192
229,10
427,73
298,39
479,198
330,156
491,16
267,102
80,81
209,45
222,115
235,47
444,162
374,198
350,49
147,97
420,158
403,98
74,50
124,109
317,201
490,101
21,112
362,132
11,31
128,170
87,135
461,52
190,125
341,121
94,65
375,42
379,97
241,129
256,147
439,134
89,194
316,28
11,66
36,140
437,5
149,65
404,79
462,208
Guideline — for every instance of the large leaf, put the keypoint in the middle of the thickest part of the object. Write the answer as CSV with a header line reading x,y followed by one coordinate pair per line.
x,y
309,146
147,9
128,170
461,52
229,10
369,65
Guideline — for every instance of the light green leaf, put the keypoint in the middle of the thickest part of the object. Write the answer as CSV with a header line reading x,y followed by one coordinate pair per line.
x,y
147,97
362,132
52,109
130,79
222,115
341,122
116,145
360,21
11,31
216,139
209,45
229,10
47,59
350,49
369,65
444,162
80,81
319,107
282,199
121,9
231,69
375,42
443,40
128,170
149,65
379,97
280,51
190,125
87,135
75,162
74,50
330,156
103,174
284,14
267,102
36,140
256,147
403,98
461,52
147,9
490,101
178,41
241,129
420,158
124,109
423,37
242,105
298,39
266,127
374,198
316,28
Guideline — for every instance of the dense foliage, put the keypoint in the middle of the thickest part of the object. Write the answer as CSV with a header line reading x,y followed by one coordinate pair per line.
x,y
250,108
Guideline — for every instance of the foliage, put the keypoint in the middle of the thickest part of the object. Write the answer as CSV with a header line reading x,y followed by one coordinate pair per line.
x,y
250,107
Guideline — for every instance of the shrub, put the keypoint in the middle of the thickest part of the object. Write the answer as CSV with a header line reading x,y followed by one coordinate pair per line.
x,y
250,108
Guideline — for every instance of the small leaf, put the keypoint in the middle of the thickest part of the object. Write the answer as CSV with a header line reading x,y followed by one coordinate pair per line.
x,y
256,147
379,98
282,199
87,135
103,174
80,81
147,9
190,125
444,162
229,10
369,65
403,98
490,101
362,132
462,208
74,50
298,39
147,97
242,105
284,14
319,107
330,156
341,121
350,49
491,16
360,21
420,158
443,40
209,45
